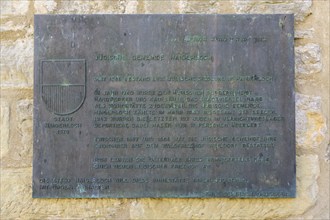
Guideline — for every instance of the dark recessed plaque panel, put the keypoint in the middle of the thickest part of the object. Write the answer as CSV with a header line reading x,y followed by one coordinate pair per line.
x,y
164,106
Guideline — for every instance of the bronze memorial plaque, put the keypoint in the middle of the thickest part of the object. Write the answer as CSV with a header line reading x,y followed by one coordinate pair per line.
x,y
183,106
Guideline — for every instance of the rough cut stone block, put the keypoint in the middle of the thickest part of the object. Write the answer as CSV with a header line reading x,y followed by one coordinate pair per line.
x,y
88,7
24,110
161,7
18,149
303,34
131,6
4,129
310,122
207,6
17,62
13,26
308,59
42,7
301,9
13,8
308,171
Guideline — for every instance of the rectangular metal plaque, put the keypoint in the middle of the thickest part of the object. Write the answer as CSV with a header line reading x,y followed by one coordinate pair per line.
x,y
130,106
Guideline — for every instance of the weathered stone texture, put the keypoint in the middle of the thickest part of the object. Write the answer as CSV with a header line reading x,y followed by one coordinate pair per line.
x,y
15,20
4,128
301,34
13,8
88,7
301,9
184,7
208,6
42,7
310,122
10,25
160,7
16,67
13,30
131,6
16,150
24,110
308,59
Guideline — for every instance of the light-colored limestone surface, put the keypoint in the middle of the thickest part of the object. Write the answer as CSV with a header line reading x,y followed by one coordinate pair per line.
x,y
312,116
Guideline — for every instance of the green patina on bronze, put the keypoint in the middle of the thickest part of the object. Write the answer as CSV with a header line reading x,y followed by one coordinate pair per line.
x,y
182,106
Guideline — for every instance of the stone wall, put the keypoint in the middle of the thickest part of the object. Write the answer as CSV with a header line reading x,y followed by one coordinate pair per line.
x,y
312,116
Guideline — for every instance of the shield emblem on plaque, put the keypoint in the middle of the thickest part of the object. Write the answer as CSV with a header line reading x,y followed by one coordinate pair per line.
x,y
63,85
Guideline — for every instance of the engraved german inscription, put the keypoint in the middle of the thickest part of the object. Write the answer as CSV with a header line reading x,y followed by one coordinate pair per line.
x,y
184,106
